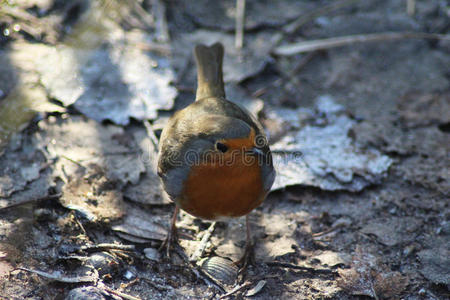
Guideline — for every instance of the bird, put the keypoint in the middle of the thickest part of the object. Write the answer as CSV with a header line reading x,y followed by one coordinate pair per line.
x,y
214,160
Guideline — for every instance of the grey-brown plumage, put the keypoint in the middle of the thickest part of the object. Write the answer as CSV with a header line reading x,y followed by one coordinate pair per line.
x,y
209,130
209,71
195,129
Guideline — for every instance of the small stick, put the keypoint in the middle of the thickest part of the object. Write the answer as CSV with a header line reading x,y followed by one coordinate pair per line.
x,y
240,24
117,293
49,197
235,290
411,7
151,133
162,30
331,229
162,49
141,12
60,278
73,161
308,46
105,246
335,5
201,248
292,266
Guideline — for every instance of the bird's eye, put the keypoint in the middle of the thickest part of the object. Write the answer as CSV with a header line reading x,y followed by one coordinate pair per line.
x,y
221,147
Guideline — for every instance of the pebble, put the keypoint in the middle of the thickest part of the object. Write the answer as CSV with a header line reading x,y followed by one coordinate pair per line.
x,y
87,292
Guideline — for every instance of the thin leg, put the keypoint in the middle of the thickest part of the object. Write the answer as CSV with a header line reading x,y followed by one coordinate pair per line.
x,y
172,235
249,255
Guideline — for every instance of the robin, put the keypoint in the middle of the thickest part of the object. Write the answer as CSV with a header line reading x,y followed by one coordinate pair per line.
x,y
214,160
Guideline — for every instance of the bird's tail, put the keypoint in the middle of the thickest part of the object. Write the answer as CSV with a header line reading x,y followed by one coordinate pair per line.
x,y
209,71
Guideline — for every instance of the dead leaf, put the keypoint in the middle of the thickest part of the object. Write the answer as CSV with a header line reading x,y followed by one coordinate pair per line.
x,y
370,278
436,262
21,163
256,289
277,248
418,109
148,189
79,142
332,259
90,190
142,225
321,153
393,231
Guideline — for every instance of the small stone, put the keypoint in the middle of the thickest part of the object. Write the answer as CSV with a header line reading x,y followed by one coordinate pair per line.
x,y
129,275
152,254
87,292
103,262
408,250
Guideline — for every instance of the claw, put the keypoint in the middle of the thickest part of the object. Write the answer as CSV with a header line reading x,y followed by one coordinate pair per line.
x,y
171,240
249,254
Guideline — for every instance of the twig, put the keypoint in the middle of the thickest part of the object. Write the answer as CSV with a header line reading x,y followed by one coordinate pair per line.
x,y
209,280
240,24
374,293
73,161
117,293
35,27
144,16
201,248
162,49
80,225
106,246
295,25
162,30
60,278
331,229
151,133
49,197
236,289
295,267
307,46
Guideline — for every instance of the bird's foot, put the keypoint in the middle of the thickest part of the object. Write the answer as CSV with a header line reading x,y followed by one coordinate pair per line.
x,y
247,259
170,243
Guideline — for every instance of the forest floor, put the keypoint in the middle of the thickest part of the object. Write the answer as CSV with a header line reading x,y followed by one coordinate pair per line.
x,y
86,87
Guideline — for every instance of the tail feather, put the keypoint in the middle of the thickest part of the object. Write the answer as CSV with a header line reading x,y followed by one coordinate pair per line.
x,y
209,71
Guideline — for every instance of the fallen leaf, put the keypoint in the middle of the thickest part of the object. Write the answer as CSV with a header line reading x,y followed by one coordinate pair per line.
x,y
256,289
368,277
90,190
21,162
142,225
393,231
148,189
418,109
332,259
436,263
320,153
79,142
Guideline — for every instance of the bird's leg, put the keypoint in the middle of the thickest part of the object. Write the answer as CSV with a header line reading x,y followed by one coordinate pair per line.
x,y
249,255
172,235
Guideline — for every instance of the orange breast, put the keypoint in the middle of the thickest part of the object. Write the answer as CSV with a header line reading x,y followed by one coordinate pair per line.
x,y
226,189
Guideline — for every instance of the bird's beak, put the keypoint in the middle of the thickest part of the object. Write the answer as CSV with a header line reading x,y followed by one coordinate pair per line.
x,y
257,152
263,157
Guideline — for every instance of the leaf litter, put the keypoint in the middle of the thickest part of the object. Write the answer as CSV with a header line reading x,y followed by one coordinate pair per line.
x,y
95,175
318,151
